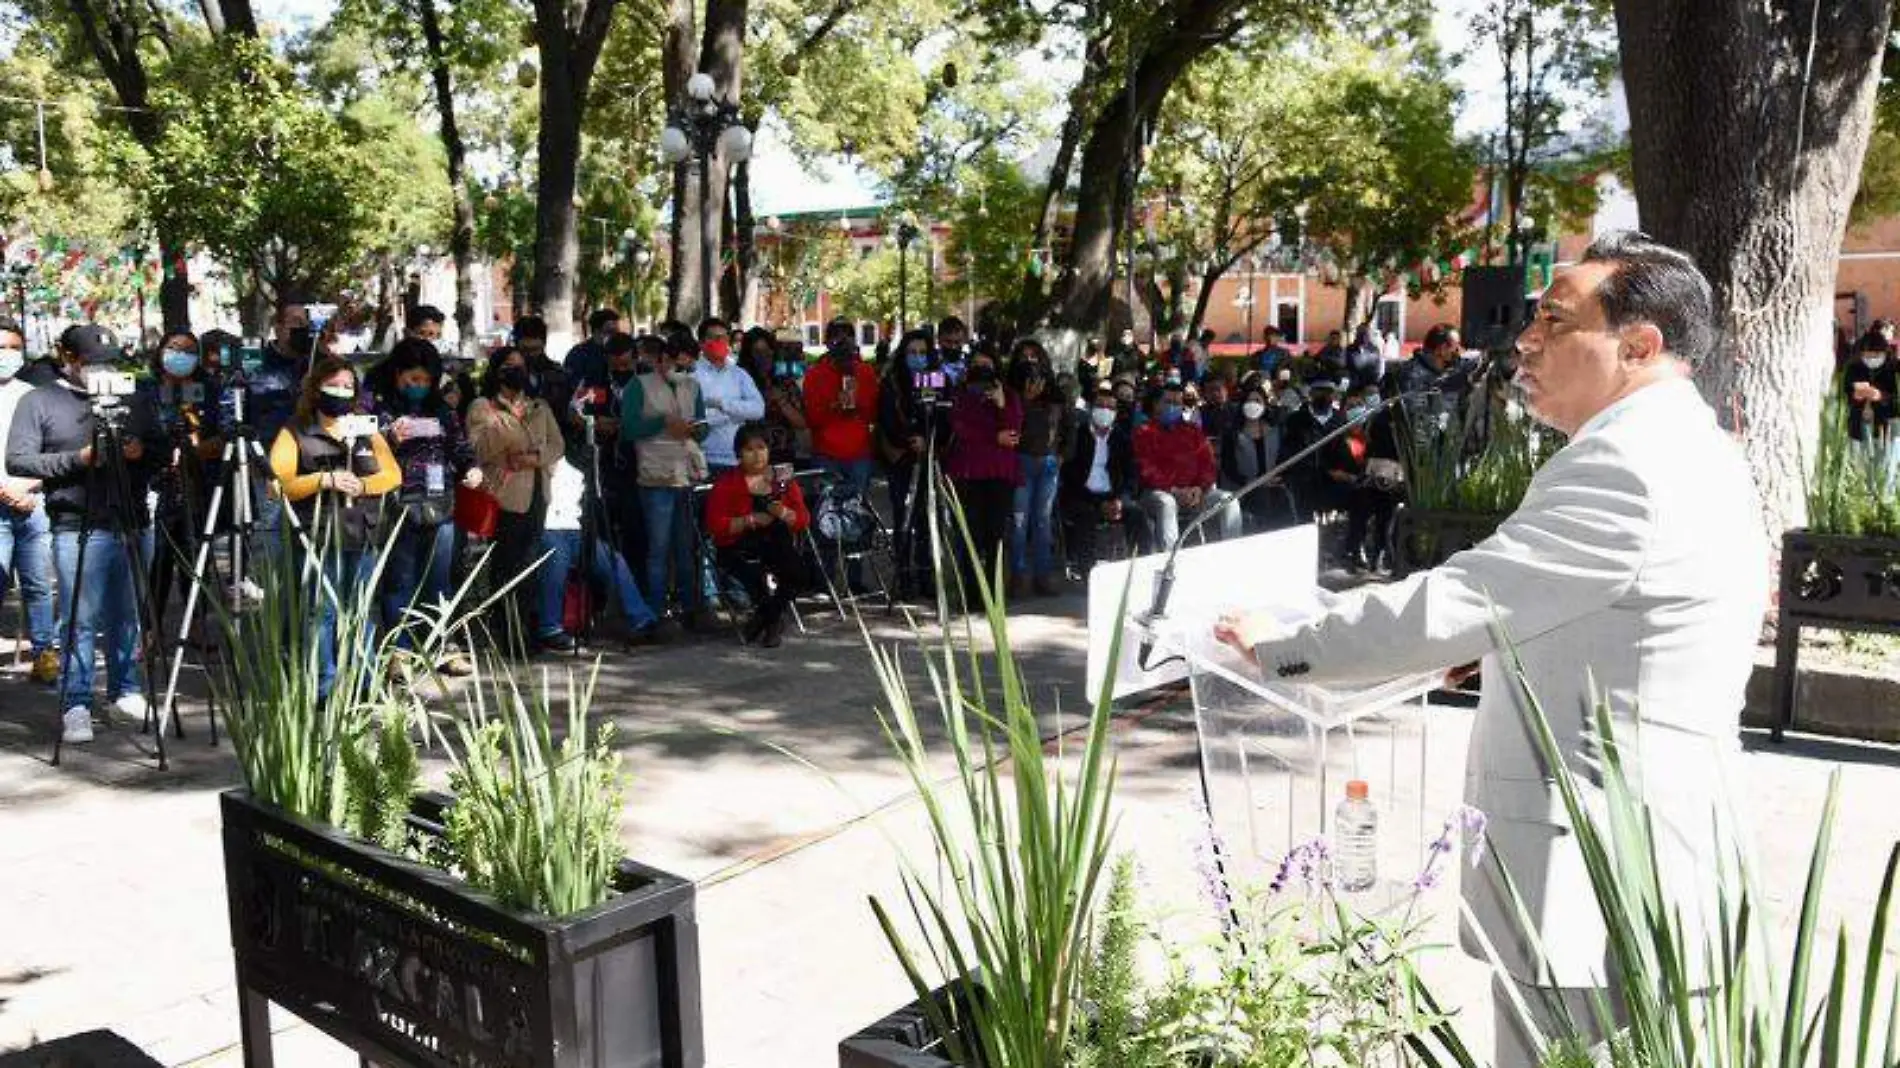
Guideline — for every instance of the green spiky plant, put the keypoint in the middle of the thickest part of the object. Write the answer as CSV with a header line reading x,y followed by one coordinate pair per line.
x,y
1022,842
536,822
1852,491
1443,474
1724,1000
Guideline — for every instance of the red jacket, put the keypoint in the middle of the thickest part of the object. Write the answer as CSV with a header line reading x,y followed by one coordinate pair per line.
x,y
1171,458
835,434
731,498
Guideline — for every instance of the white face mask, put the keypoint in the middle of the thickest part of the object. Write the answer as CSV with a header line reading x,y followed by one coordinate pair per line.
x,y
676,376
11,360
1103,418
1253,409
1873,359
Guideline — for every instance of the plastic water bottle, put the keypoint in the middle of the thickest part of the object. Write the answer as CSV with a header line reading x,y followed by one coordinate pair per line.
x,y
1356,832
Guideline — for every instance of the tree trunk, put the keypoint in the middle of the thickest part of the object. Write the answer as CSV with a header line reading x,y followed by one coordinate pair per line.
x,y
386,316
745,253
570,41
722,55
1108,163
1047,219
684,252
1717,101
462,239
238,17
1362,301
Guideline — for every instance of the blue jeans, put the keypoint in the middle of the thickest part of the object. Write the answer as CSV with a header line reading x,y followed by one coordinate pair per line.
x,y
26,548
610,570
417,572
1032,539
107,607
856,472
671,541
348,571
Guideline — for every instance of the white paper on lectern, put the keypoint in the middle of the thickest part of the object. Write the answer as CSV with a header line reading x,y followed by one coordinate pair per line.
x,y
1276,571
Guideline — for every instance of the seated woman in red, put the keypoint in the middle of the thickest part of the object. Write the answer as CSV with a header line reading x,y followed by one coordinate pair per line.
x,y
755,518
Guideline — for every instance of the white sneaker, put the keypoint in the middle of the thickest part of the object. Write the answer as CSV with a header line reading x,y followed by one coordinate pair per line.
x,y
76,726
132,706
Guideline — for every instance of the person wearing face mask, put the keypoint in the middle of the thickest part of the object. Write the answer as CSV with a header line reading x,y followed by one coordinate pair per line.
x,y
336,485
26,540
1179,478
841,406
1039,449
546,379
1097,481
912,423
434,454
1249,449
953,339
586,363
1870,382
664,414
51,439
1218,411
1302,427
186,403
730,396
1368,505
517,442
986,422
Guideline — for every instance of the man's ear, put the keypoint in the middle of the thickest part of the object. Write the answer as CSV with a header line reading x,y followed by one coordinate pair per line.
x,y
1642,343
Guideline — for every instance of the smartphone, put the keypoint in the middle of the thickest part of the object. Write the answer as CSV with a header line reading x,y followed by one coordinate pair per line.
x,y
781,477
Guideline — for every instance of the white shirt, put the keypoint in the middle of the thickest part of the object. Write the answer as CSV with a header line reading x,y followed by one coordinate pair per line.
x,y
10,393
732,398
565,491
1098,467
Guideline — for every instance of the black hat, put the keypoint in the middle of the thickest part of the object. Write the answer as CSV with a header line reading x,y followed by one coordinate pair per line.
x,y
91,343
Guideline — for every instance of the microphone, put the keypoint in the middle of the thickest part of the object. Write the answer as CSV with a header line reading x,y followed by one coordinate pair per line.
x,y
1164,579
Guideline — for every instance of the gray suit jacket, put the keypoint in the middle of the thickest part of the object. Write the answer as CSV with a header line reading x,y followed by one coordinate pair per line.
x,y
1635,571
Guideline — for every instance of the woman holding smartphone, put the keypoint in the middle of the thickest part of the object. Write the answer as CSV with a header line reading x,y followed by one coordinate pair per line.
x,y
518,443
755,513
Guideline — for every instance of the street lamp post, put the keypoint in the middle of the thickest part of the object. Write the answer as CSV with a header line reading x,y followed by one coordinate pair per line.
x,y
699,127
906,234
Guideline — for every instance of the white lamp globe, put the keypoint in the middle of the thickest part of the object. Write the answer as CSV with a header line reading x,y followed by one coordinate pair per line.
x,y
674,144
700,86
736,144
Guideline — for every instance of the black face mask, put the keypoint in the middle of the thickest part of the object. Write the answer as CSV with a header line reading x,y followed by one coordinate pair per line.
x,y
515,378
335,407
301,340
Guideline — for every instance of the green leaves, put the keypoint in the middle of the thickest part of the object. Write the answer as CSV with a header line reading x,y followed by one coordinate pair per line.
x,y
257,172
1851,489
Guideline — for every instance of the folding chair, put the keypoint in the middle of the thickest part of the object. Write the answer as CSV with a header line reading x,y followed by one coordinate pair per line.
x,y
846,528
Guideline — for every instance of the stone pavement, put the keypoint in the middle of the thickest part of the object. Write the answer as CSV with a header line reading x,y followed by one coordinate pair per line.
x,y
759,774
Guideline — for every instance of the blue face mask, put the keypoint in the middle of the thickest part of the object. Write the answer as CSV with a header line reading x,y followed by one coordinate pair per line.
x,y
917,361
415,392
180,364
1169,415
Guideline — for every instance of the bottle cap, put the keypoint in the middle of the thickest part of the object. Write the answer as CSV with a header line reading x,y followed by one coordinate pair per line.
x,y
1356,790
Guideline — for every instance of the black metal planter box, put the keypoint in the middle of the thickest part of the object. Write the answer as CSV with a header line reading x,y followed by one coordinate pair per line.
x,y
1830,580
1423,539
409,965
904,1039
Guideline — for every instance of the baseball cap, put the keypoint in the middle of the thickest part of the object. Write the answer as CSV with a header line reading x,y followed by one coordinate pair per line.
x,y
91,343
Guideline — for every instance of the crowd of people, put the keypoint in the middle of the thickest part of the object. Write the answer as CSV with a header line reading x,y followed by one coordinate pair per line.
x,y
655,472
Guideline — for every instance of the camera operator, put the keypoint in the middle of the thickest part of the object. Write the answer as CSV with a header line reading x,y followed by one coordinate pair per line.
x,y
26,541
754,514
52,439
986,421
913,417
185,402
953,341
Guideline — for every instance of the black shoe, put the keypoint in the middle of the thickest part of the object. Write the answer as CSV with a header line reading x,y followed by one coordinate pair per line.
x,y
666,630
562,642
651,634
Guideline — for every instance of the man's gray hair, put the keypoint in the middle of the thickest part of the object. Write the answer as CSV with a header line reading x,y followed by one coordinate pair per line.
x,y
1653,283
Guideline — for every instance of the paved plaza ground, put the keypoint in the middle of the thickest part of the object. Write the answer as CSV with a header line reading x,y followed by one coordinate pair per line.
x,y
112,910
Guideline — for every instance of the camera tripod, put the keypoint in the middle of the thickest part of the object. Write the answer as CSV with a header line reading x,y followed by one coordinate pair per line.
x,y
108,479
596,530
237,487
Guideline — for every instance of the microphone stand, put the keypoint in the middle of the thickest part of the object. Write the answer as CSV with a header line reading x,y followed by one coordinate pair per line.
x,y
1164,579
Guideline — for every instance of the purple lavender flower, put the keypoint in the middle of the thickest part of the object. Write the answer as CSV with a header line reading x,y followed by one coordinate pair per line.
x,y
1310,862
1209,854
1468,824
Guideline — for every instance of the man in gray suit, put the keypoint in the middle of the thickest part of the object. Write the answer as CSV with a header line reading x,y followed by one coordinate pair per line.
x,y
1635,572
